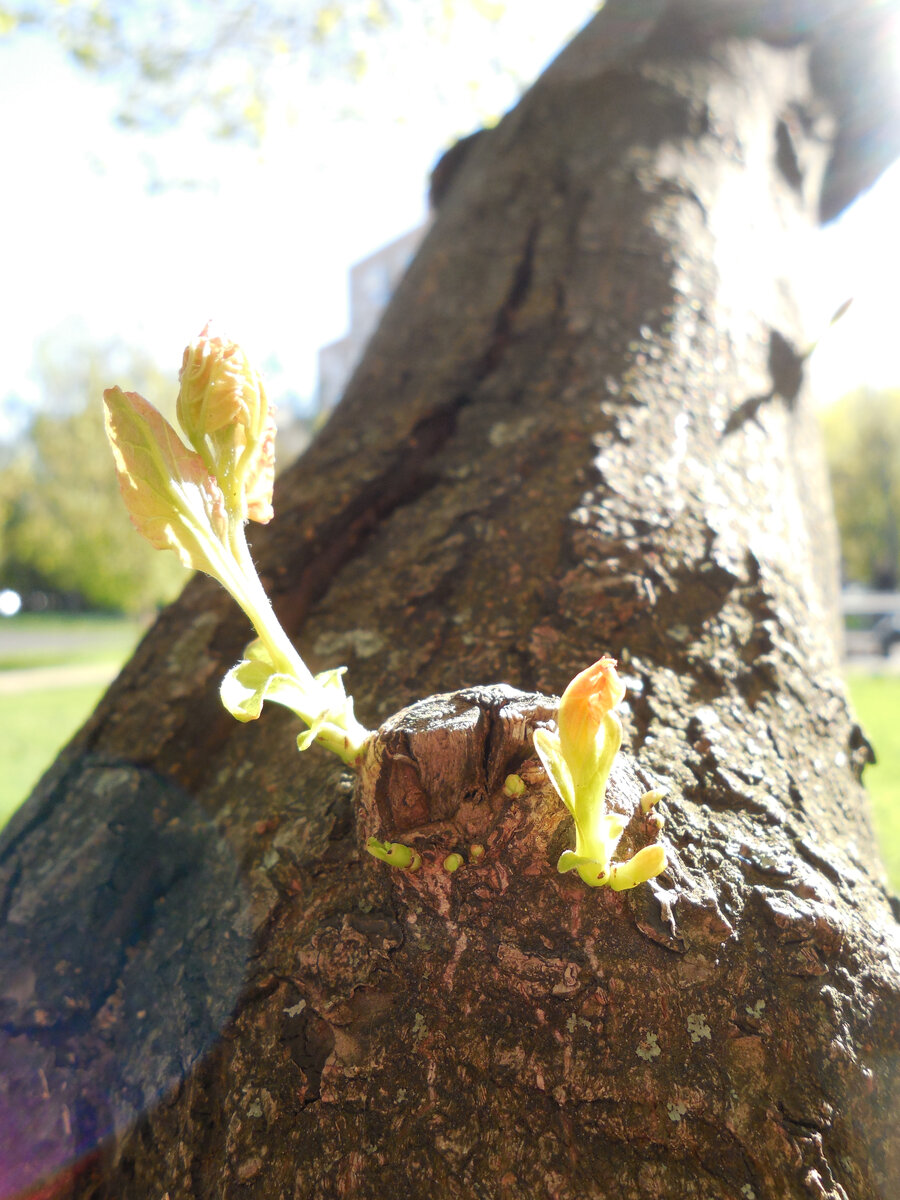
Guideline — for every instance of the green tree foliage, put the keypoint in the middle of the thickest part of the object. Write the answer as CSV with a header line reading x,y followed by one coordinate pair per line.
x,y
219,60
62,525
862,435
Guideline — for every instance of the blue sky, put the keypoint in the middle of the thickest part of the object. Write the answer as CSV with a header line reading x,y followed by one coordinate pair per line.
x,y
264,242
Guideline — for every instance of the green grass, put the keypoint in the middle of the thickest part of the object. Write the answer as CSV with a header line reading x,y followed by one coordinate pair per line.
x,y
36,723
876,699
33,726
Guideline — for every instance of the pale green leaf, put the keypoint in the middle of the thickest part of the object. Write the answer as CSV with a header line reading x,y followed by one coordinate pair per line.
x,y
244,688
548,749
644,865
254,680
594,874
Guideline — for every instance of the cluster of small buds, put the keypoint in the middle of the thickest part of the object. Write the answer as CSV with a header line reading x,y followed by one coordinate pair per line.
x,y
396,854
578,759
195,499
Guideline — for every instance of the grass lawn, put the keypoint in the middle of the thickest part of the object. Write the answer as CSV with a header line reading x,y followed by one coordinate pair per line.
x,y
33,726
876,699
35,723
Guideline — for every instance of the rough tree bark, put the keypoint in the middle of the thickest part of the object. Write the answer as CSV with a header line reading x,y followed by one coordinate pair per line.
x,y
581,428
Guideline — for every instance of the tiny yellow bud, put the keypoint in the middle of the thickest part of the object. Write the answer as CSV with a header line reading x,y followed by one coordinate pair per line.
x,y
514,785
395,854
476,852
453,862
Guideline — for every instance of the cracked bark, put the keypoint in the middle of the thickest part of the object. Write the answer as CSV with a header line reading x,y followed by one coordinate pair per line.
x,y
578,430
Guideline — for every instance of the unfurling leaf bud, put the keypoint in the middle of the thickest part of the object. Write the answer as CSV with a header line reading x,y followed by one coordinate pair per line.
x,y
223,409
588,699
578,761
260,476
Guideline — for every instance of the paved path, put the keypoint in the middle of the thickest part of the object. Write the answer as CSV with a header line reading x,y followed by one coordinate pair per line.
x,y
32,679
17,641
872,664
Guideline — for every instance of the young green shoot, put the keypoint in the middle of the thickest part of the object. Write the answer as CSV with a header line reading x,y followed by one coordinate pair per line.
x,y
578,759
196,498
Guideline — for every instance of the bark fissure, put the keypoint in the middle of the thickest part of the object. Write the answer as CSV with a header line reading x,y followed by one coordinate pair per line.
x,y
518,290
407,476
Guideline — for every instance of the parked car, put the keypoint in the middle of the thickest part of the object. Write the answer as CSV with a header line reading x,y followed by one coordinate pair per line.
x,y
887,632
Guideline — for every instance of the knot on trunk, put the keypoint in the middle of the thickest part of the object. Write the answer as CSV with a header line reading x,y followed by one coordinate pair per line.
x,y
435,793
435,776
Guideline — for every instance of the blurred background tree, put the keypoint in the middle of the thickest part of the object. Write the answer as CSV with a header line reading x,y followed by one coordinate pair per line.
x,y
215,70
862,434
223,61
61,521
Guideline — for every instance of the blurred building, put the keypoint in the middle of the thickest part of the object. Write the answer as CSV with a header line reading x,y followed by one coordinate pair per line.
x,y
372,283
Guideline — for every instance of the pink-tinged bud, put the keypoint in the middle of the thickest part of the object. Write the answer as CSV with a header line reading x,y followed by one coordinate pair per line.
x,y
219,388
587,701
578,762
223,409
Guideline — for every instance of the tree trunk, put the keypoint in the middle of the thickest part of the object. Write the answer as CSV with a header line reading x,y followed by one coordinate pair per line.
x,y
581,428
